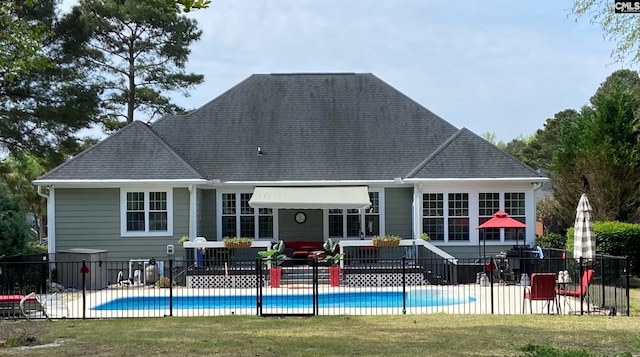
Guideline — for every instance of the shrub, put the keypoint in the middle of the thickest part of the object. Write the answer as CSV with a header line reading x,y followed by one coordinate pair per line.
x,y
615,238
14,230
552,240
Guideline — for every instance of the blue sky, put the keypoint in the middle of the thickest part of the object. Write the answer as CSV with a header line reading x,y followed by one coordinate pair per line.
x,y
491,66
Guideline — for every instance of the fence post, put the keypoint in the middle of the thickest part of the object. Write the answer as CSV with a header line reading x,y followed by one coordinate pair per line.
x,y
170,286
316,308
404,285
258,287
491,265
581,292
626,259
602,283
83,271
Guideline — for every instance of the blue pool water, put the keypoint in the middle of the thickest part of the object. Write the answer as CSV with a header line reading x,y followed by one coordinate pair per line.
x,y
391,299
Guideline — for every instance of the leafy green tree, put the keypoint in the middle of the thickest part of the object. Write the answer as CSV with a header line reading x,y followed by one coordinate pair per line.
x,y
22,37
538,153
517,146
42,109
137,51
490,137
188,5
17,172
623,30
14,230
599,155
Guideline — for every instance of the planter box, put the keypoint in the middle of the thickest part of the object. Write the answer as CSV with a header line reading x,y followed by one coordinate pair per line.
x,y
238,245
385,243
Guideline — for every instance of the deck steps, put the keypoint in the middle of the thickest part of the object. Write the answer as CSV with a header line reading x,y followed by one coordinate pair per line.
x,y
303,275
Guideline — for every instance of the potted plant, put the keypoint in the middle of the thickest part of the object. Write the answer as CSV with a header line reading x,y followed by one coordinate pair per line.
x,y
274,258
183,239
424,236
237,242
333,258
386,241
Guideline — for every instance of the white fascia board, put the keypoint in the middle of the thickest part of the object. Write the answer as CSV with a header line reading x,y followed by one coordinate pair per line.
x,y
306,183
496,179
116,182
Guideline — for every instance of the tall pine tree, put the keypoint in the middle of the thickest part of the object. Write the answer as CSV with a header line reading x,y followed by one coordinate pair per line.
x,y
137,51
44,98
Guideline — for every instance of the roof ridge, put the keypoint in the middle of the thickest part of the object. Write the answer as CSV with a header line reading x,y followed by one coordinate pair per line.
x,y
436,152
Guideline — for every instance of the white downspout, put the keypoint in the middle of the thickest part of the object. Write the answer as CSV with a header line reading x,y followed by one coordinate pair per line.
x,y
51,220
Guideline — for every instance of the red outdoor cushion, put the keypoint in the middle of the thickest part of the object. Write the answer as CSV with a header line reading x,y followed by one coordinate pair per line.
x,y
14,298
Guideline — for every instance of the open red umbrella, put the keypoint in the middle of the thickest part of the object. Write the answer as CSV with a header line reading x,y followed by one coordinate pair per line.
x,y
500,219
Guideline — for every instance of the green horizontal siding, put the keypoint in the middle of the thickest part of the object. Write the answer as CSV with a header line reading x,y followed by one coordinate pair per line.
x,y
397,211
207,214
90,218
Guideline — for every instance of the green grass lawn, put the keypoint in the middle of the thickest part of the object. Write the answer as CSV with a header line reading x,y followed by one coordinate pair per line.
x,y
415,335
421,335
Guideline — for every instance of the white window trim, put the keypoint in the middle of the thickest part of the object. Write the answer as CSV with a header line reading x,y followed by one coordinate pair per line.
x,y
474,236
362,213
256,214
146,233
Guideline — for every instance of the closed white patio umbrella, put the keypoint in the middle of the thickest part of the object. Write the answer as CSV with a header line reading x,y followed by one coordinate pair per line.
x,y
584,240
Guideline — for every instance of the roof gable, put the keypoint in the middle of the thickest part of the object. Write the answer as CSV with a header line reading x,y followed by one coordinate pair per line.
x,y
467,155
134,152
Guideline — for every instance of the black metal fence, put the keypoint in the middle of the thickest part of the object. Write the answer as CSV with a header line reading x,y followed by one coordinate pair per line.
x,y
363,286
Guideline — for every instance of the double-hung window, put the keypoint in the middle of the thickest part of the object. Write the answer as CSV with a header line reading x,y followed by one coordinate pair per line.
x,y
445,217
146,212
346,223
488,204
458,216
514,206
433,215
241,220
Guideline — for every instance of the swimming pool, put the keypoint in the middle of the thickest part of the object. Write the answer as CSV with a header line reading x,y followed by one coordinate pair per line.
x,y
364,299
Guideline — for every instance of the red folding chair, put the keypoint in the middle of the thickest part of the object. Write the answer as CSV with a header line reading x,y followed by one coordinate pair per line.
x,y
542,288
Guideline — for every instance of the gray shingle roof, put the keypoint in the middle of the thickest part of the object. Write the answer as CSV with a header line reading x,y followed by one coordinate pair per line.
x,y
466,155
134,152
308,126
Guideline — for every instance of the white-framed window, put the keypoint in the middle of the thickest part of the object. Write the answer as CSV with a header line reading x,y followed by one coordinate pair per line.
x,y
241,220
488,204
346,223
458,218
146,212
514,206
450,224
433,215
446,216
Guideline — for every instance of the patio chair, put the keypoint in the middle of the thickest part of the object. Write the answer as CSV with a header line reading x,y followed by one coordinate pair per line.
x,y
542,288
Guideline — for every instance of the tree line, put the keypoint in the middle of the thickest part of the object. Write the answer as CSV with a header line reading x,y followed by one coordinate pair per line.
x,y
100,66
593,150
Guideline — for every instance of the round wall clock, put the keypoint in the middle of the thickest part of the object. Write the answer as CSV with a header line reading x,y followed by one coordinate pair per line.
x,y
301,217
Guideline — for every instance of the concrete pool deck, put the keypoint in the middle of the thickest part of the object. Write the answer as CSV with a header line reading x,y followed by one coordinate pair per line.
x,y
507,300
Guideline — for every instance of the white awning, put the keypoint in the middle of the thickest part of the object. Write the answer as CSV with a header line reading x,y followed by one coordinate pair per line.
x,y
310,197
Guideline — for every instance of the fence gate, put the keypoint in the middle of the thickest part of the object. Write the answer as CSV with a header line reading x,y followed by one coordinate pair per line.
x,y
289,290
